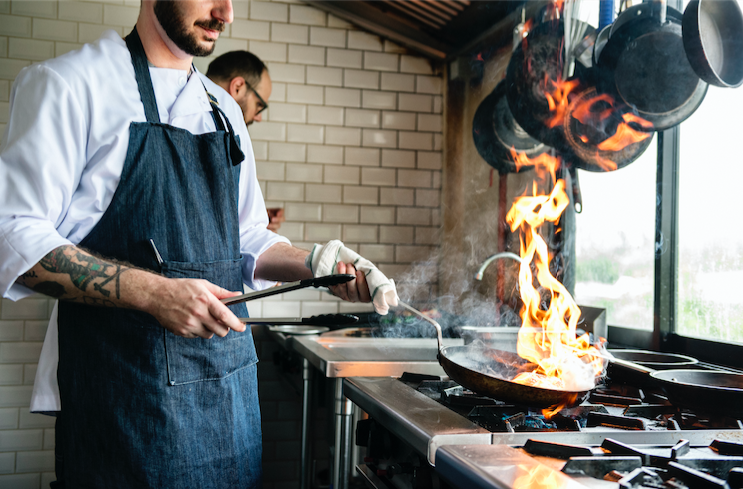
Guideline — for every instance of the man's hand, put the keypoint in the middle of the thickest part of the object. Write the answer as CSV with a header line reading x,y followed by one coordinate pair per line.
x,y
356,290
192,308
275,218
186,307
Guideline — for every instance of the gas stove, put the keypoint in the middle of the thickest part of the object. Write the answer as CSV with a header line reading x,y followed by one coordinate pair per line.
x,y
424,429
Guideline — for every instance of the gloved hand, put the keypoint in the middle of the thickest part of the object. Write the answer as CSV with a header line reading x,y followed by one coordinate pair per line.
x,y
323,261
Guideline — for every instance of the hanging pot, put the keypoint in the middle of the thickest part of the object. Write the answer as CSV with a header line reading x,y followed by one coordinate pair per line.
x,y
592,130
534,66
644,66
713,41
496,132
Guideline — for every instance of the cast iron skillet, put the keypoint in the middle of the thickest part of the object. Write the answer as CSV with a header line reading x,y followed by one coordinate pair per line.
x,y
495,132
644,65
706,390
584,136
712,391
474,367
536,60
471,365
713,41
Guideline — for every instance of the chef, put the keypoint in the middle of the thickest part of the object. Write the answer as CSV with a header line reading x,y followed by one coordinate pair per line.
x,y
245,77
128,192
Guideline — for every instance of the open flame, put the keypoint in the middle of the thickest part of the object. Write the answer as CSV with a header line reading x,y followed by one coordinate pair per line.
x,y
549,314
547,337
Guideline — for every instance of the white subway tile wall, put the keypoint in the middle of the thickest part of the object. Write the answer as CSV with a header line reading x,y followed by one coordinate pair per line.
x,y
350,147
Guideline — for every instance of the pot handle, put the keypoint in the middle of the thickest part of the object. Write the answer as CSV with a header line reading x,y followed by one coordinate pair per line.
x,y
577,197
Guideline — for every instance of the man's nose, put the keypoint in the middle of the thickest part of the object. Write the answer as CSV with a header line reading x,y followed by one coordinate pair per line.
x,y
223,11
258,118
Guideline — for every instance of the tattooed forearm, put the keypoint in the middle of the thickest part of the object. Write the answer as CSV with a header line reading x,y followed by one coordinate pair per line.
x,y
84,269
52,289
29,274
74,274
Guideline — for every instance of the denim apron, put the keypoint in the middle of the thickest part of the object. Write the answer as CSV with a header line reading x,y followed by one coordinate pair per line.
x,y
142,407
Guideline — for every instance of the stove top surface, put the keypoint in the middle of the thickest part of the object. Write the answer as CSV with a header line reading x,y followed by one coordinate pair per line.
x,y
623,436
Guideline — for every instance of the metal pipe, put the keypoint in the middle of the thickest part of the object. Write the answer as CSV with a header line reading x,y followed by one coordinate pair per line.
x,y
345,458
304,475
506,254
338,434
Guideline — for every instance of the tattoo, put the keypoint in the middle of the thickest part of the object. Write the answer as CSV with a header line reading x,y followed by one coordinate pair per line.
x,y
84,270
52,289
29,274
92,301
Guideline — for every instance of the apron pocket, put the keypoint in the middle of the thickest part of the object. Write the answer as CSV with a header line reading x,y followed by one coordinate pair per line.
x,y
198,359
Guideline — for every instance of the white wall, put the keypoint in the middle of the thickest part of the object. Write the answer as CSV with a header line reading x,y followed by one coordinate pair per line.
x,y
350,146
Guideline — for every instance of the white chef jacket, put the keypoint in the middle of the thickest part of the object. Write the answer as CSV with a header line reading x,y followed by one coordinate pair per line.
x,y
63,153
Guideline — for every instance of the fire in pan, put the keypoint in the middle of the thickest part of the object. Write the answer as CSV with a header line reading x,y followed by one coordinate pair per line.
x,y
488,371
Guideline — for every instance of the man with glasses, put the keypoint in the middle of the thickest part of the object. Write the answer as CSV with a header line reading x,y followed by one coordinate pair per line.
x,y
245,77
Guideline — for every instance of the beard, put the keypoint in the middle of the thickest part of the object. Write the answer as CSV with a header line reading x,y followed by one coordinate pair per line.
x,y
171,19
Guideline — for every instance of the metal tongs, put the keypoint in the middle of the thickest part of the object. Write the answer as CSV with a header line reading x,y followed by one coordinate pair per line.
x,y
320,320
325,281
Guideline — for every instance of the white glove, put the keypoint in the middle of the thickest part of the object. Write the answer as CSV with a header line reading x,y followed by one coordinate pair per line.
x,y
323,261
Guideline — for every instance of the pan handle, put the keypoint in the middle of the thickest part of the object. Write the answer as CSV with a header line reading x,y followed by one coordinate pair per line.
x,y
641,369
439,335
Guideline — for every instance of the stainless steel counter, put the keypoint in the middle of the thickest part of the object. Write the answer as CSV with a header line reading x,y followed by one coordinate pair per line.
x,y
336,356
499,466
414,417
341,356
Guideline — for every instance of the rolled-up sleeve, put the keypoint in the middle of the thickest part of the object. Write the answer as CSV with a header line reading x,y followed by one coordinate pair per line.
x,y
41,160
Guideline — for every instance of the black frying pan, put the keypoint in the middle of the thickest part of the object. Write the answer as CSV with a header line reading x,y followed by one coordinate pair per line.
x,y
484,371
496,132
587,130
713,41
537,61
644,65
635,366
711,391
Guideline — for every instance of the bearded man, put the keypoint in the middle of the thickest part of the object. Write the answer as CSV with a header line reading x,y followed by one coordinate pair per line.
x,y
128,192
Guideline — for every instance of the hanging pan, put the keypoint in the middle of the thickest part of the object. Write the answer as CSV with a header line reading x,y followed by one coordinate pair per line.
x,y
534,66
593,130
643,65
496,132
713,41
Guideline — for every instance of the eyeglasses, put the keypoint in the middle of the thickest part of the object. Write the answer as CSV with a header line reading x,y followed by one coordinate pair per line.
x,y
262,103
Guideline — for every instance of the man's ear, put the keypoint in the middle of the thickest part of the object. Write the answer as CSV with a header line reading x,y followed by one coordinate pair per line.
x,y
236,84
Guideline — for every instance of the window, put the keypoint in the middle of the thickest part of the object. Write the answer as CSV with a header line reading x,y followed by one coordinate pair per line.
x,y
615,236
709,301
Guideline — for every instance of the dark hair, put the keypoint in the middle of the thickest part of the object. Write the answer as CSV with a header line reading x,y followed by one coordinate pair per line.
x,y
237,63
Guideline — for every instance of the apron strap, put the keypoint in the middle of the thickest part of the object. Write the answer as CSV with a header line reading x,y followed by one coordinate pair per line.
x,y
220,119
142,73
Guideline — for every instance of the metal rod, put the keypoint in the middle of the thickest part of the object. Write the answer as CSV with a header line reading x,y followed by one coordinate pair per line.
x,y
338,434
345,459
304,473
